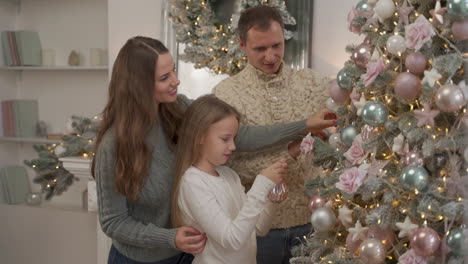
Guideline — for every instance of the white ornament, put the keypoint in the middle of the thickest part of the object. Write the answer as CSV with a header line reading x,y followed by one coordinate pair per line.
x,y
438,16
59,150
406,228
358,231
398,143
331,105
396,44
345,215
430,77
360,105
384,9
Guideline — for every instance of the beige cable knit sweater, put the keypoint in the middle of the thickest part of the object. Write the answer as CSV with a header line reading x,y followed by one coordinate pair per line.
x,y
265,99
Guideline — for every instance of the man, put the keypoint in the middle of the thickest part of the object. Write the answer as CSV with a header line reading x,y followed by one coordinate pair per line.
x,y
268,92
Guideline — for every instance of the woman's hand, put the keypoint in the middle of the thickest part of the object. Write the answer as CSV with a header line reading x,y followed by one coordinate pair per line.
x,y
190,240
277,171
319,121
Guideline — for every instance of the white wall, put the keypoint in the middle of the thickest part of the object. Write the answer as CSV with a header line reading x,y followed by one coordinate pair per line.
x,y
127,19
331,35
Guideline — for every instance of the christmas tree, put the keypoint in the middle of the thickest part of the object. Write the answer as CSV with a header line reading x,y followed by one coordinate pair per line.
x,y
79,141
394,181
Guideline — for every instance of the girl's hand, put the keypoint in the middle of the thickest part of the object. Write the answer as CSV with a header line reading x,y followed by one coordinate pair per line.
x,y
190,240
277,171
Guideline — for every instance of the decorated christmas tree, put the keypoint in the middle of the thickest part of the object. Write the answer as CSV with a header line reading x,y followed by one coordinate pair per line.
x,y
394,181
79,141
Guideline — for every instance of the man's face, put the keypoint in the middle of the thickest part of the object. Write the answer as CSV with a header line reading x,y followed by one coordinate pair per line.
x,y
265,49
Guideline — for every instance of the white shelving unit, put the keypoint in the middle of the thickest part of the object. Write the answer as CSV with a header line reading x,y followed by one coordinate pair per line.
x,y
29,140
61,91
55,68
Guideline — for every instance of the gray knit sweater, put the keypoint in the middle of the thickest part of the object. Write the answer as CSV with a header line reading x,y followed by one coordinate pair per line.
x,y
141,229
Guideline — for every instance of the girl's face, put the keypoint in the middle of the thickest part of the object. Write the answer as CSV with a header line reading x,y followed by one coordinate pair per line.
x,y
217,144
165,87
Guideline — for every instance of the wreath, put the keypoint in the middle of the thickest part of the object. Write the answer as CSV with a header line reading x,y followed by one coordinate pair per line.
x,y
208,30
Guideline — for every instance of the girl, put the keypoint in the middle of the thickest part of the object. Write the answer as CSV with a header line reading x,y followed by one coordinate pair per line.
x,y
134,161
209,196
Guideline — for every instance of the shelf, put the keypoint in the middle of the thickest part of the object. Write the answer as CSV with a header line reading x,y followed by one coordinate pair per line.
x,y
30,140
55,68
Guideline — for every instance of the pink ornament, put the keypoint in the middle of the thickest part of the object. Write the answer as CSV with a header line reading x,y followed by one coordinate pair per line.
x,y
316,202
416,63
413,158
337,94
407,86
372,251
425,241
460,29
353,245
361,55
386,236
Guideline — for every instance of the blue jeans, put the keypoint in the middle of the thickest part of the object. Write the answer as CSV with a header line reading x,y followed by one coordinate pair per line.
x,y
115,257
275,247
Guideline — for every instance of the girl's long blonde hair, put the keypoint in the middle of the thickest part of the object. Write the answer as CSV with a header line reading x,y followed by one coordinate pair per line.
x,y
199,116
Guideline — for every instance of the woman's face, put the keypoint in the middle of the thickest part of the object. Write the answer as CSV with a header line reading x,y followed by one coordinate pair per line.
x,y
165,86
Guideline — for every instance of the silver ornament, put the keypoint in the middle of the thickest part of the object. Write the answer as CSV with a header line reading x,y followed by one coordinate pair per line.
x,y
362,5
414,177
348,134
323,219
458,8
450,98
456,242
331,105
345,81
372,251
374,113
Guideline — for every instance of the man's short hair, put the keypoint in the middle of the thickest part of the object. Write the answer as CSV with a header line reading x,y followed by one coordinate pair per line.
x,y
260,17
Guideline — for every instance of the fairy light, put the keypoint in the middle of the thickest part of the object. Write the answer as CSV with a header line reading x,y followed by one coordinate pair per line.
x,y
85,155
57,167
440,217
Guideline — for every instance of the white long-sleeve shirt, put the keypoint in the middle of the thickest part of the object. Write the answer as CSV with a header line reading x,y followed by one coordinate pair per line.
x,y
230,218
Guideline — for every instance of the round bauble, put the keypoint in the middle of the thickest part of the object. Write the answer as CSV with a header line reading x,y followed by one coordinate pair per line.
x,y
413,158
374,114
396,44
361,55
460,29
414,177
372,251
458,8
323,219
316,202
416,62
407,86
348,134
456,242
425,241
340,96
450,98
345,81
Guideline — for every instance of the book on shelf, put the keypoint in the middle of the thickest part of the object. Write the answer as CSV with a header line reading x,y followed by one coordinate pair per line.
x,y
29,48
2,56
20,118
1,120
15,184
21,48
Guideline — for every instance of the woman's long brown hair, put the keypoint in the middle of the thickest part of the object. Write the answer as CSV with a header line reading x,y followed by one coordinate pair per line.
x,y
200,115
132,112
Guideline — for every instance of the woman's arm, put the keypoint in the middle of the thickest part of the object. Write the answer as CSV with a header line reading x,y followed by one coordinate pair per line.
x,y
113,212
199,201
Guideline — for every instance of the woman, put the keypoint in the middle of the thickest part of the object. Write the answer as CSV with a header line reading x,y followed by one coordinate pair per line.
x,y
134,159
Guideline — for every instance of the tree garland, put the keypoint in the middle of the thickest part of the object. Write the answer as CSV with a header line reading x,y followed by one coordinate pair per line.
x,y
210,34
